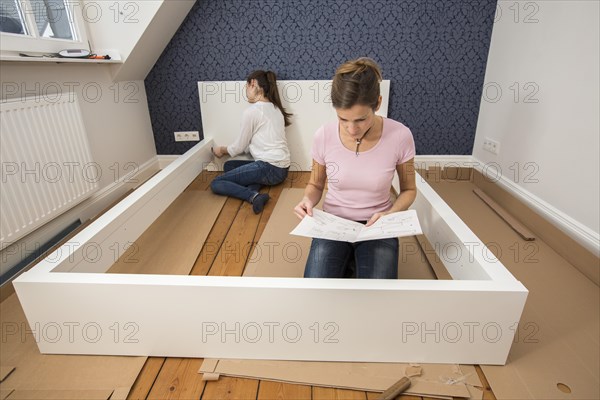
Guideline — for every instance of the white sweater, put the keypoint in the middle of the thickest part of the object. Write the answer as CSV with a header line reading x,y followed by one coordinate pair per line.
x,y
263,135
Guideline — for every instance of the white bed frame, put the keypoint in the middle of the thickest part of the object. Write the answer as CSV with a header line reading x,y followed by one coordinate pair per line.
x,y
74,307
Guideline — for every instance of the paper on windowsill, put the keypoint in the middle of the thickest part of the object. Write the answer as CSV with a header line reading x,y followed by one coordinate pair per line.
x,y
323,225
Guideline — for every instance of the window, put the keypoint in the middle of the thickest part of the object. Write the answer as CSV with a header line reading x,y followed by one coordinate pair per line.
x,y
46,26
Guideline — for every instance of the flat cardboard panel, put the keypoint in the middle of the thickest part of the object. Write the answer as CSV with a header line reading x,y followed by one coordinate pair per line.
x,y
436,379
60,395
457,173
4,393
558,337
48,373
5,371
172,243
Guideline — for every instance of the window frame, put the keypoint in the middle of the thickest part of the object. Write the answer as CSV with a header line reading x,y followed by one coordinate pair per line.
x,y
32,42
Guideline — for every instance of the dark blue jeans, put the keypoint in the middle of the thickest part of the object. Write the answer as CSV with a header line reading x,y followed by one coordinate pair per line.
x,y
371,259
242,179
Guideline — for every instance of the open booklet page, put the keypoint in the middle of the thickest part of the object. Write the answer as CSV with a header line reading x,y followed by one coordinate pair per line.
x,y
323,225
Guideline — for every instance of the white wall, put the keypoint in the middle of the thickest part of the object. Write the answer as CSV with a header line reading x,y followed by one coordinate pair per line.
x,y
554,142
115,115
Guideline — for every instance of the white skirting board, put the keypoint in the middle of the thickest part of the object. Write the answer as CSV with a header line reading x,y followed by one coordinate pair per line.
x,y
576,230
74,308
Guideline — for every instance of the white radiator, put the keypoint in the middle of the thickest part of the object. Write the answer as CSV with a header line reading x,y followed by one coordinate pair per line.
x,y
45,161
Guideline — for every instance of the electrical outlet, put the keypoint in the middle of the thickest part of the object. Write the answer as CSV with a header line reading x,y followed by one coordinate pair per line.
x,y
491,145
190,136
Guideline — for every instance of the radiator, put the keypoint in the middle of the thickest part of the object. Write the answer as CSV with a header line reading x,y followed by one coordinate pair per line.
x,y
45,161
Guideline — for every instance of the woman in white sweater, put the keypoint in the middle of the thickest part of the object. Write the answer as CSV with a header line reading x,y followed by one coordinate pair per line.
x,y
263,136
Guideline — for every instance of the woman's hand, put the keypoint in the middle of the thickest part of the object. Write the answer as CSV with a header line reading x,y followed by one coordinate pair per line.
x,y
304,208
219,151
375,217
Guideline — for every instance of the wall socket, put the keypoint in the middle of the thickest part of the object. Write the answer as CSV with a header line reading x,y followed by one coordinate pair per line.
x,y
491,145
190,136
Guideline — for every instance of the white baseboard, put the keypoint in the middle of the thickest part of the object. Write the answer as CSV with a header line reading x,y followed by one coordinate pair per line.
x,y
576,230
425,161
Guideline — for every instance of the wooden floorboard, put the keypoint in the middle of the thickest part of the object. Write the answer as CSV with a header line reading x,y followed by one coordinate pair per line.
x,y
227,388
143,384
216,237
283,391
178,379
226,252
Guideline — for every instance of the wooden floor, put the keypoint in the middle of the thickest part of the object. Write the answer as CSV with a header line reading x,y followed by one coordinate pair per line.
x,y
178,378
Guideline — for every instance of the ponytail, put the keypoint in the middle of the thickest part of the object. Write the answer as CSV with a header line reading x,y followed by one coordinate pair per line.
x,y
268,83
356,82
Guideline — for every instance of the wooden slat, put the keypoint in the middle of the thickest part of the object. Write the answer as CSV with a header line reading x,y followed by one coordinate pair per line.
x,y
269,390
227,388
274,193
234,252
518,227
216,237
145,380
178,379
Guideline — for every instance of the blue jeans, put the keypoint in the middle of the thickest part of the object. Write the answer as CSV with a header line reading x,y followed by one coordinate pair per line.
x,y
371,259
243,178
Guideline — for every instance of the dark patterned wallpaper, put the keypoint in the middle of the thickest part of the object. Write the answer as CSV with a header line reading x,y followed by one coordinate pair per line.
x,y
434,53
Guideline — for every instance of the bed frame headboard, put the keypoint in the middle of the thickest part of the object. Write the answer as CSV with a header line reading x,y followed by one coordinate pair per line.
x,y
222,104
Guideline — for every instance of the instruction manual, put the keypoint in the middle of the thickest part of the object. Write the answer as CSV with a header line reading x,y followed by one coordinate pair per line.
x,y
323,225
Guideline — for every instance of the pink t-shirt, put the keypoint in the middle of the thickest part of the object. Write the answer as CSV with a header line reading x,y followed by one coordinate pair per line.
x,y
359,186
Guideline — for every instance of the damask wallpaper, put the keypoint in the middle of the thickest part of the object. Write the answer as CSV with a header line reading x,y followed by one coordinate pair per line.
x,y
434,53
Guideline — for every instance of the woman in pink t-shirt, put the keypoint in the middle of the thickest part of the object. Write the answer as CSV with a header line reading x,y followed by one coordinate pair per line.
x,y
357,156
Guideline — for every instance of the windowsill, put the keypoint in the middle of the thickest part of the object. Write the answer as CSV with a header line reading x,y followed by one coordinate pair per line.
x,y
58,60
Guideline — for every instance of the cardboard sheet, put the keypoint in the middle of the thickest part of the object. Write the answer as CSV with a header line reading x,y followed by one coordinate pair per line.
x,y
436,380
60,395
5,371
53,376
172,243
558,338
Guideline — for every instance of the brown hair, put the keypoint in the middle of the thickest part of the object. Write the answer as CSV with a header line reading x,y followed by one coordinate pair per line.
x,y
268,83
356,82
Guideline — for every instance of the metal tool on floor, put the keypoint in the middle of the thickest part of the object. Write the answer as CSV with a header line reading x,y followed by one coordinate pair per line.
x,y
396,389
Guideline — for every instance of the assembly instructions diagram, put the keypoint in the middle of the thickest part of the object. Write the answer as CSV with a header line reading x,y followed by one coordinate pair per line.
x,y
323,225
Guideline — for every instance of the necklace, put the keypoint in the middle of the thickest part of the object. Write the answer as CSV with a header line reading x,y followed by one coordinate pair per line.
x,y
359,141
